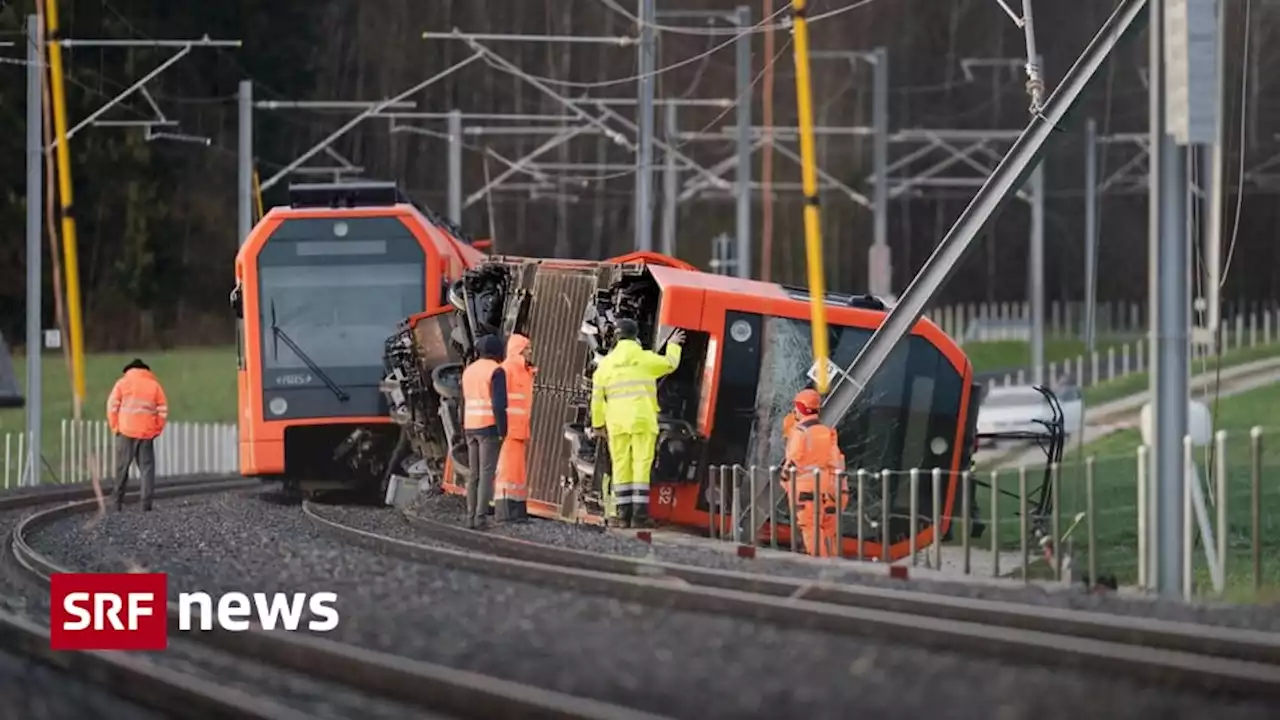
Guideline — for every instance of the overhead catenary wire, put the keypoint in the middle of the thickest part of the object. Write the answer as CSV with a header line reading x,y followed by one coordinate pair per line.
x,y
765,25
584,180
733,34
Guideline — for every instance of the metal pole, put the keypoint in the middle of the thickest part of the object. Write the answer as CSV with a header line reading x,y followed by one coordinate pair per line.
x,y
743,52
644,158
1217,190
244,195
1090,235
1036,261
35,202
1168,280
670,183
999,187
880,258
455,166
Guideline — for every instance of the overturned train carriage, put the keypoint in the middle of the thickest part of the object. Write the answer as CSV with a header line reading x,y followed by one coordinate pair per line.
x,y
747,354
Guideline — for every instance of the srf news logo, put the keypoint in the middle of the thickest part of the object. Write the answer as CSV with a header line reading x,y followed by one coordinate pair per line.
x,y
129,611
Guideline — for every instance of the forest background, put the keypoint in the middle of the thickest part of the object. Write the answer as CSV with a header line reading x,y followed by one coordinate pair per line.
x,y
157,219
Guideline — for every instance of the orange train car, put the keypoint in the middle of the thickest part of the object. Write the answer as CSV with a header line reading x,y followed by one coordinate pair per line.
x,y
748,352
320,284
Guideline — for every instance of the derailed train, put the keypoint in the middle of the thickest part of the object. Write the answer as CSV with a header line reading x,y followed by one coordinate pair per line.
x,y
747,353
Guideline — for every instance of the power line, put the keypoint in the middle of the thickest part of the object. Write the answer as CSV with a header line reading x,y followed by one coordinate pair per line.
x,y
763,26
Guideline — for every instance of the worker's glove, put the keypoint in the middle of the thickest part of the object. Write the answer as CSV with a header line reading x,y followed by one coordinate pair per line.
x,y
677,338
597,433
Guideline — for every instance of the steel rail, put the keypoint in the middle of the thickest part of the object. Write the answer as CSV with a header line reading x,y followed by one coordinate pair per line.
x,y
834,609
1251,645
433,688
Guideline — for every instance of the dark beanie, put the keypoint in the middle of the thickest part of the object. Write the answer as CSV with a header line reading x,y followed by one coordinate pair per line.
x,y
490,346
628,329
135,364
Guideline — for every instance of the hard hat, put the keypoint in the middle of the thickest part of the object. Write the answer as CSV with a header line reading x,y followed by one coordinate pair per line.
x,y
808,400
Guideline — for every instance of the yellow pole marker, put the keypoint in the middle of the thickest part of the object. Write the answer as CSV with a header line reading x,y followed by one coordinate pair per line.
x,y
812,218
257,193
72,265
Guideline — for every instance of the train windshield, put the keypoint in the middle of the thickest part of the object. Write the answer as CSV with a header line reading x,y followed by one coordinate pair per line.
x,y
332,302
907,419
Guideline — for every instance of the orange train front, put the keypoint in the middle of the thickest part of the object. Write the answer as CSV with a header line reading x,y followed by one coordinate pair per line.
x,y
320,284
747,353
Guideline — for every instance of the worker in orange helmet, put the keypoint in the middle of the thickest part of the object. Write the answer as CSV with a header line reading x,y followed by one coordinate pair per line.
x,y
812,446
511,490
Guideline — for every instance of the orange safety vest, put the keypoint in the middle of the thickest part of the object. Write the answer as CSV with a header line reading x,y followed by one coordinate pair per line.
x,y
477,391
519,389
137,407
813,446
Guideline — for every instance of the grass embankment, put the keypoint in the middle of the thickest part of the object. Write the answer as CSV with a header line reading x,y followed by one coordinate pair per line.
x,y
200,384
1138,382
1115,498
994,355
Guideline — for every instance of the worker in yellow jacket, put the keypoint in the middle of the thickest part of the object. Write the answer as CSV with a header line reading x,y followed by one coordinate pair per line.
x,y
624,408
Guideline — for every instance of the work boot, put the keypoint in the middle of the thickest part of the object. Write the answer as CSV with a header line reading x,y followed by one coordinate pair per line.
x,y
640,518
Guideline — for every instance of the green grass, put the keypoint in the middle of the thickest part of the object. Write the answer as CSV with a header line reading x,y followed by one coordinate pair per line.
x,y
1135,383
200,384
995,355
1115,499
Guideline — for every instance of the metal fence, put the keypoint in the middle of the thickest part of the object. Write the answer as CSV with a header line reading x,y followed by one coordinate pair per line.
x,y
1118,361
1095,526
84,448
1067,319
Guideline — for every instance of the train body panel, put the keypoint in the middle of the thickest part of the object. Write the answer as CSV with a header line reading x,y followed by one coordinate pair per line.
x,y
319,287
746,355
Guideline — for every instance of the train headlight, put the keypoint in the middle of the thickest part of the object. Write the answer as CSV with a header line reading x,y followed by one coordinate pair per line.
x,y
340,229
740,330
939,445
278,406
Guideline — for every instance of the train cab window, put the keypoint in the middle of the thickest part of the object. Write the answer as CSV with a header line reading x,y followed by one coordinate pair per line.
x,y
334,291
907,419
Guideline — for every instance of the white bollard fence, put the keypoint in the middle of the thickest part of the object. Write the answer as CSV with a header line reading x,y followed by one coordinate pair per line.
x,y
87,447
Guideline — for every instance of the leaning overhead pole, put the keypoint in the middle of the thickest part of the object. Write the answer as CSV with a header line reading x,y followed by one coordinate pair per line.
x,y
999,187
644,158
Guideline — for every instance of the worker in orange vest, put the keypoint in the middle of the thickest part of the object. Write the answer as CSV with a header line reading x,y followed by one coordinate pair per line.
x,y
484,422
511,490
812,446
137,411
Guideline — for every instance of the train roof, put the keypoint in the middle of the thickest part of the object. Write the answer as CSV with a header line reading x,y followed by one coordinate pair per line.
x,y
673,277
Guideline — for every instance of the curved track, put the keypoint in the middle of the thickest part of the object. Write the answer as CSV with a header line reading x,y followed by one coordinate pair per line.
x,y
436,690
1243,663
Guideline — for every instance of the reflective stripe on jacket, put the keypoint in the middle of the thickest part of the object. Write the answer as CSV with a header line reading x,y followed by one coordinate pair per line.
x,y
624,395
484,395
137,407
519,378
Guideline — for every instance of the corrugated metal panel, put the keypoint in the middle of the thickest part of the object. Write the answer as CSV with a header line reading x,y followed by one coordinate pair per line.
x,y
560,295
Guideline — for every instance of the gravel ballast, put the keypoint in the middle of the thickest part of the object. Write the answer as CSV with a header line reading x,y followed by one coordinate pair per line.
x,y
22,596
670,662
450,509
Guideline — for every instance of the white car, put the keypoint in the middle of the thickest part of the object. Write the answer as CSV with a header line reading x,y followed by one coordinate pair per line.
x,y
1016,408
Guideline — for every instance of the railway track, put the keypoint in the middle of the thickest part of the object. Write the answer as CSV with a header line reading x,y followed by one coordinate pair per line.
x,y
1210,659
434,691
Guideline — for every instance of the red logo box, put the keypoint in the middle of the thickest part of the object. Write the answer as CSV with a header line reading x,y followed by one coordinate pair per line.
x,y
108,611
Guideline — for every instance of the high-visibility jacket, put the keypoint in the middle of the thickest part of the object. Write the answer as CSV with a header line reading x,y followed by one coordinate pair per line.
x,y
624,391
137,407
813,446
484,394
519,377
